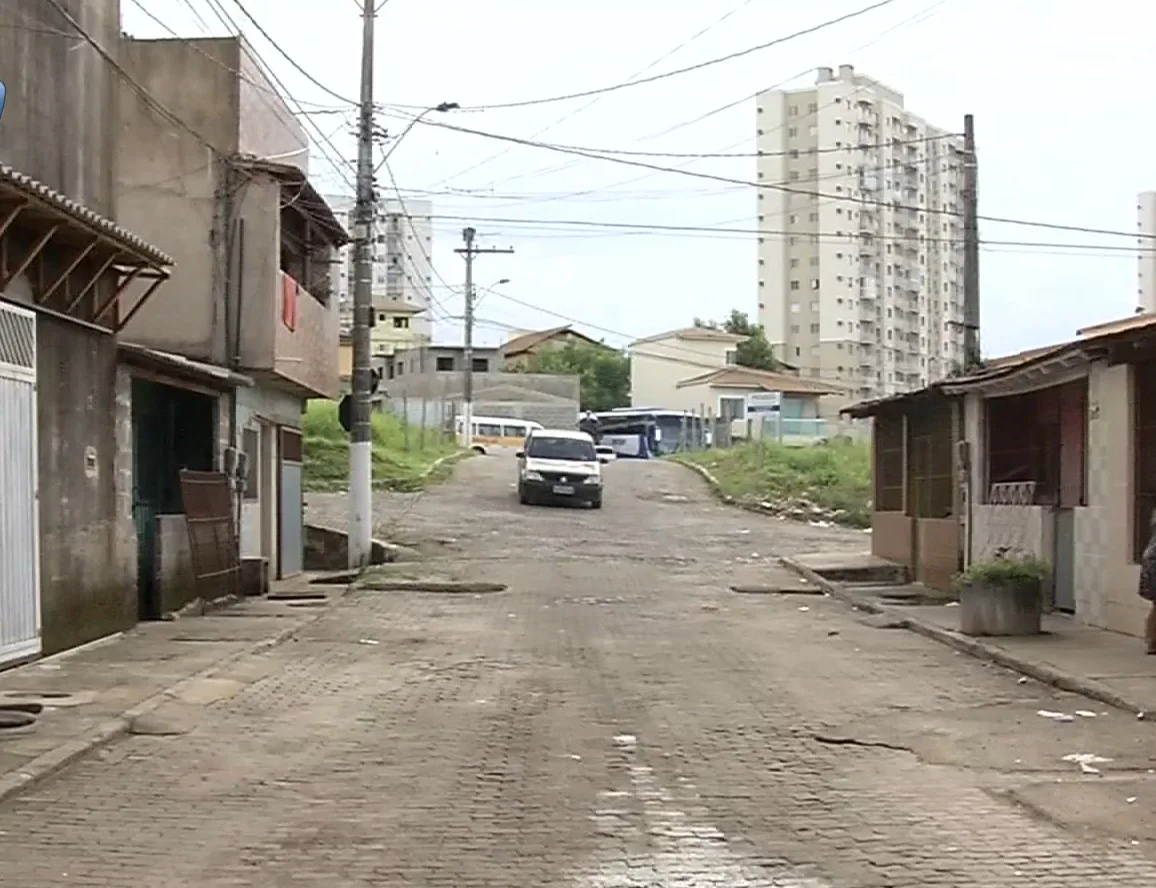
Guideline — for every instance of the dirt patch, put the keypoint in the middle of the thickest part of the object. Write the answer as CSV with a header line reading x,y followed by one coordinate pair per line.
x,y
1006,736
1122,808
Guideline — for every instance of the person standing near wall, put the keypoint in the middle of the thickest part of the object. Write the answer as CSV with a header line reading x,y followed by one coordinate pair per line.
x,y
1148,583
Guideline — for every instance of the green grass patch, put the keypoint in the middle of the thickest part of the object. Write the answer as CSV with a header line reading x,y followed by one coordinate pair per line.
x,y
401,455
830,480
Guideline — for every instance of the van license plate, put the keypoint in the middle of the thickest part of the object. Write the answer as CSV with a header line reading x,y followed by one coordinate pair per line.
x,y
565,489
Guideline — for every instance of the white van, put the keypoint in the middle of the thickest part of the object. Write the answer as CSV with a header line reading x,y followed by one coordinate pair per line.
x,y
559,465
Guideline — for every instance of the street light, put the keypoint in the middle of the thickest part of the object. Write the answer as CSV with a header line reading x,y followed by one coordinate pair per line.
x,y
490,288
443,108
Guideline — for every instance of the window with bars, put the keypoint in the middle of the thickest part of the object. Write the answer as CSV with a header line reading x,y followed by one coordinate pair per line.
x,y
889,462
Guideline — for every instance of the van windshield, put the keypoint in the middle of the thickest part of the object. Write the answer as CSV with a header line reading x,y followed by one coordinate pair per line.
x,y
544,447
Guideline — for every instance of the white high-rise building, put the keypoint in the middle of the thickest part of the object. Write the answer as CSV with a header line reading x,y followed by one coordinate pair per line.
x,y
861,250
402,259
1146,252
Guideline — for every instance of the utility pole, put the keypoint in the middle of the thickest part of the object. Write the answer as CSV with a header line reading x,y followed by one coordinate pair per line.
x,y
361,435
469,252
971,352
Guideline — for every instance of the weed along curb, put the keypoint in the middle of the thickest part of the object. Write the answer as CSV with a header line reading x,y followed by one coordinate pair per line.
x,y
445,587
711,480
982,650
59,757
450,459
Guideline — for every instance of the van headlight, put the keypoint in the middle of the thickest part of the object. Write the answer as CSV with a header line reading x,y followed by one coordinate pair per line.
x,y
593,479
531,475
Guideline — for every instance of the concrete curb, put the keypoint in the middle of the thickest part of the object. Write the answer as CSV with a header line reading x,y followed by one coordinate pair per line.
x,y
449,458
48,763
982,650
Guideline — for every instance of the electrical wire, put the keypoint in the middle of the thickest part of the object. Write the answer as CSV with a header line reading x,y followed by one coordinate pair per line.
x,y
596,99
526,103
836,175
279,109
433,300
289,58
322,140
852,238
774,187
919,17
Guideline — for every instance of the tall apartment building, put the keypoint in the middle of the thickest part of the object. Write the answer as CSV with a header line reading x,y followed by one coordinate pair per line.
x,y
1146,252
402,253
860,257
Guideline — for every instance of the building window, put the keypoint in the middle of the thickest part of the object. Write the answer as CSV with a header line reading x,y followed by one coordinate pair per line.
x,y
794,285
445,364
481,365
1040,438
732,356
732,407
401,323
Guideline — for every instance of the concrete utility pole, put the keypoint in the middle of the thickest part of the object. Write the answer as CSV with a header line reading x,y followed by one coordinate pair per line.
x,y
361,436
971,352
469,251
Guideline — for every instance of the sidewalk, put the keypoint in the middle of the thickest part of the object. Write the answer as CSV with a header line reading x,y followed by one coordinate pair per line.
x,y
1099,664
151,679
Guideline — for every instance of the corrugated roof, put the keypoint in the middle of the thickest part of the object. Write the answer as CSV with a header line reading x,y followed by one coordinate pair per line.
x,y
1091,339
749,377
64,205
690,334
181,364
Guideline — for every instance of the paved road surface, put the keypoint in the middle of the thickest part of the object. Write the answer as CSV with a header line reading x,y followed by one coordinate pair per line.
x,y
616,719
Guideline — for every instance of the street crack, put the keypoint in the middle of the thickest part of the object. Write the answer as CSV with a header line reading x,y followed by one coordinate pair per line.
x,y
831,740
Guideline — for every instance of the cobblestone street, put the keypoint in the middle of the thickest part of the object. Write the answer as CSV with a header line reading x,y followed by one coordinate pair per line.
x,y
618,718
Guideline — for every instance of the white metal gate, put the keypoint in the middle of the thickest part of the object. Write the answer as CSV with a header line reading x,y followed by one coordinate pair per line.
x,y
19,511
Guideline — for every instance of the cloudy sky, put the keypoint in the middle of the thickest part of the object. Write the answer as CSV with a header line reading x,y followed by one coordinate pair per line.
x,y
1059,96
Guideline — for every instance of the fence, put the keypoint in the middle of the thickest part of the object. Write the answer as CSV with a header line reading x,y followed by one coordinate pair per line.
x,y
800,432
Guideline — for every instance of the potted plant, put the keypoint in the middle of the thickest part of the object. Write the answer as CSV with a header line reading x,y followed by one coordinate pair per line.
x,y
1002,595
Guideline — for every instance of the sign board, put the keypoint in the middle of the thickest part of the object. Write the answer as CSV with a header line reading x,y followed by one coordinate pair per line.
x,y
764,402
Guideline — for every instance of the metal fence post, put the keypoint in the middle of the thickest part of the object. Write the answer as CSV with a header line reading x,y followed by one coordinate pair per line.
x,y
421,445
405,420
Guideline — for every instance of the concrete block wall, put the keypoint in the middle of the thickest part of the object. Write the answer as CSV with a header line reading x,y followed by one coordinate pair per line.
x,y
60,119
176,582
87,540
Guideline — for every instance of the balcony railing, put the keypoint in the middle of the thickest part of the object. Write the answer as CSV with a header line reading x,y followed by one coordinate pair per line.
x,y
305,338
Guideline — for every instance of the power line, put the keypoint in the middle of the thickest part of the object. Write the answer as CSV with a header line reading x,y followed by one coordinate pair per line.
x,y
597,99
685,70
289,58
851,237
837,175
919,17
774,187
192,44
148,98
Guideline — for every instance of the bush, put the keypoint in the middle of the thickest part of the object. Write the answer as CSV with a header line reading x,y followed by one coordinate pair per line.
x,y
831,479
1004,570
400,456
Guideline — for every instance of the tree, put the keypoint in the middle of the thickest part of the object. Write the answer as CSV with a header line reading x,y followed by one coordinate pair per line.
x,y
603,373
756,352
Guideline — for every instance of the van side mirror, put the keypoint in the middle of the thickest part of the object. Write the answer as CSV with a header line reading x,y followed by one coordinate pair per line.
x,y
520,454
